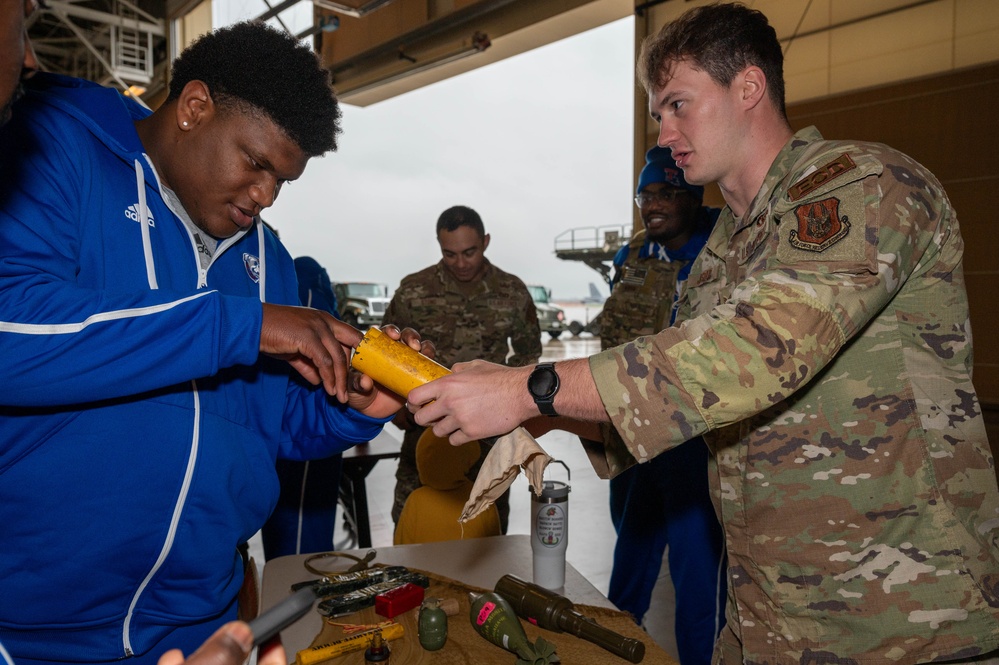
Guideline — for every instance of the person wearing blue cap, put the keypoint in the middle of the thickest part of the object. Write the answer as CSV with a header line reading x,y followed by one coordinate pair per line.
x,y
664,503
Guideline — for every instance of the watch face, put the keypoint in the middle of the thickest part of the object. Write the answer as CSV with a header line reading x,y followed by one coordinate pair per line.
x,y
543,381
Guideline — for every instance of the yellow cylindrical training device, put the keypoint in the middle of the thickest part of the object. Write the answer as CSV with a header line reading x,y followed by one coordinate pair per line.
x,y
393,364
354,642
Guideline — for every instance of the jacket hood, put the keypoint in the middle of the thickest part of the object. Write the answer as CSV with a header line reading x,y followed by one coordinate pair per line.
x,y
105,112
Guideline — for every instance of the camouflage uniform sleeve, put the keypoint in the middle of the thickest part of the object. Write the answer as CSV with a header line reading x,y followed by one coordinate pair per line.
x,y
610,455
526,335
793,306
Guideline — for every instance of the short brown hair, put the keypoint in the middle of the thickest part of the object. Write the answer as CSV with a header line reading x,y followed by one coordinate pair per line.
x,y
719,39
457,216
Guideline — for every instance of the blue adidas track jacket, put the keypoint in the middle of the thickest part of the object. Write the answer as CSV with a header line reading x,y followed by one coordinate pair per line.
x,y
138,425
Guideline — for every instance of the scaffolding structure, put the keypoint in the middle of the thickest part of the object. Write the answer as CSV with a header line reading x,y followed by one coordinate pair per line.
x,y
111,42
595,246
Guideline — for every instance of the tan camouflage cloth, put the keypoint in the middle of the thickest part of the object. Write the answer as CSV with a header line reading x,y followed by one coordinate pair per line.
x,y
825,355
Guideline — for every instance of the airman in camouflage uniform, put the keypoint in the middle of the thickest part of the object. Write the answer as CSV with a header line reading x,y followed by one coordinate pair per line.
x,y
824,352
825,355
469,309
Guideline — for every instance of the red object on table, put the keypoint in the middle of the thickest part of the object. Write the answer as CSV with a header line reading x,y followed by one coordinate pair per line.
x,y
398,600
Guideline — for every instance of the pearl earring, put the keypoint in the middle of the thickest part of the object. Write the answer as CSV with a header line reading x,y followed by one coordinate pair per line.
x,y
184,123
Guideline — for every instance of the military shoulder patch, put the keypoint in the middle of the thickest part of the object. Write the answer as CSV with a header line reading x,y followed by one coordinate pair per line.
x,y
820,225
822,175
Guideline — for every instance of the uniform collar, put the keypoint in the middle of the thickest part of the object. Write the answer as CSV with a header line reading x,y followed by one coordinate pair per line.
x,y
483,285
780,169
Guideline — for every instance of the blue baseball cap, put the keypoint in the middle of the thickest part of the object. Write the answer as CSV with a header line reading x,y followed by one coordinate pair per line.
x,y
660,167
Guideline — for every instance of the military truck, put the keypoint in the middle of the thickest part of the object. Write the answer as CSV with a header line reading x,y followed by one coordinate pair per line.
x,y
551,317
361,304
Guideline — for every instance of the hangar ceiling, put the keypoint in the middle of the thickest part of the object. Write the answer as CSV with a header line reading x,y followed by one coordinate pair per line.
x,y
410,43
377,49
120,43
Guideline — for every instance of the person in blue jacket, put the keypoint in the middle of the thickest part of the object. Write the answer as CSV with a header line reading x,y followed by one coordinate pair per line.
x,y
664,506
231,644
149,345
305,517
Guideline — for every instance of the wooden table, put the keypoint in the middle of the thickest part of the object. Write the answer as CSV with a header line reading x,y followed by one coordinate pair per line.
x,y
357,464
479,562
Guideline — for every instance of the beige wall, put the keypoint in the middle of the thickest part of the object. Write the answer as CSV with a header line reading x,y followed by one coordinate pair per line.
x,y
191,25
911,42
841,46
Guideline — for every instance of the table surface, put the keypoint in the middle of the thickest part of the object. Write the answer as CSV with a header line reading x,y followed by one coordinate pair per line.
x,y
478,562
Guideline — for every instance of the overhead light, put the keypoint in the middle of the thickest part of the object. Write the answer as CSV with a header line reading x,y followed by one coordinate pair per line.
x,y
135,91
480,42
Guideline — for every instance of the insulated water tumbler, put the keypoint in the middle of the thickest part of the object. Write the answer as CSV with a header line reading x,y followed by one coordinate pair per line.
x,y
550,532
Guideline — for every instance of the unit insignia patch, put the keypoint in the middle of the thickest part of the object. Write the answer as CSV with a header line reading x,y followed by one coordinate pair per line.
x,y
819,225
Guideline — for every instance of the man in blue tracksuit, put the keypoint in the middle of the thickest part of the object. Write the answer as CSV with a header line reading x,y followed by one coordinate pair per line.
x,y
231,644
148,349
666,501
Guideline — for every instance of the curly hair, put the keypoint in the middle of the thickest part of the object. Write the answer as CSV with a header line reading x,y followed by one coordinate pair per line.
x,y
719,39
457,216
252,64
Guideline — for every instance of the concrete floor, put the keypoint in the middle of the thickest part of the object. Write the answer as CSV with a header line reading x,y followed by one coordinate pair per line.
x,y
591,536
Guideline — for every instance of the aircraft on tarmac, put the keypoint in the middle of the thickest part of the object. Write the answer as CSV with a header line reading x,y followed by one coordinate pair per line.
x,y
582,307
595,295
595,298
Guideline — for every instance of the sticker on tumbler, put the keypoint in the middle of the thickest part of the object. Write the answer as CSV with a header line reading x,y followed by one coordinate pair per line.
x,y
551,525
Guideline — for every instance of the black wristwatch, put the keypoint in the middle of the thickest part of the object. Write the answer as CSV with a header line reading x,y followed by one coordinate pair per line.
x,y
543,385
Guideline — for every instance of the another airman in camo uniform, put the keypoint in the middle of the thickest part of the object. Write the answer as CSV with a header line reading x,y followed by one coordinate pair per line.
x,y
825,355
470,309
